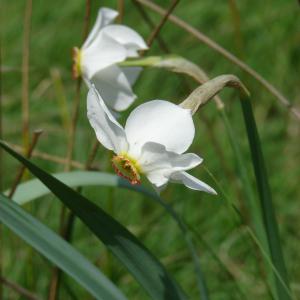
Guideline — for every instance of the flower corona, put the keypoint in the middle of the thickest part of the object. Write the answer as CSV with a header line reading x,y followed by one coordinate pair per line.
x,y
127,167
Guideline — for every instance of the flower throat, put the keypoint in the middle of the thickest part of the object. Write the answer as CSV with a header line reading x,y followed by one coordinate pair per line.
x,y
127,168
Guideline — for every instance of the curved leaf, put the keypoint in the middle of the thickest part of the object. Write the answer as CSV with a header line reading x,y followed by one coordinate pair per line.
x,y
57,250
34,189
147,270
265,196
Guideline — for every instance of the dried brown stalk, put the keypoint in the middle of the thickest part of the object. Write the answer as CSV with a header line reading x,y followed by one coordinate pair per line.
x,y
17,288
1,168
87,18
151,24
56,275
92,155
72,133
25,73
237,26
22,169
162,22
208,90
121,10
215,46
48,157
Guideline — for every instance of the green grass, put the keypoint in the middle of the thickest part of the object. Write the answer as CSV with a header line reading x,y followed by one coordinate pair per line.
x,y
270,44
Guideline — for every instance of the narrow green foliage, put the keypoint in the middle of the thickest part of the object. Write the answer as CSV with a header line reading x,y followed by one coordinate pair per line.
x,y
57,251
34,189
146,269
267,208
250,198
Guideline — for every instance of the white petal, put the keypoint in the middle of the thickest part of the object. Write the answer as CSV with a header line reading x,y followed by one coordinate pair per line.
x,y
115,88
157,179
155,157
103,52
105,17
126,37
192,182
161,122
108,131
132,74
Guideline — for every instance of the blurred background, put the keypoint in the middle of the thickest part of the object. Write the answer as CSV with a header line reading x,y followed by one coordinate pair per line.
x,y
264,35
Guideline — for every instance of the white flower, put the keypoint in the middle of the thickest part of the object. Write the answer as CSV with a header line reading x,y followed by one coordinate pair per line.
x,y
152,143
97,59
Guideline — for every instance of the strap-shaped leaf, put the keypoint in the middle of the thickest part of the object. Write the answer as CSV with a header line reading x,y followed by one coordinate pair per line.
x,y
146,269
57,250
265,196
34,188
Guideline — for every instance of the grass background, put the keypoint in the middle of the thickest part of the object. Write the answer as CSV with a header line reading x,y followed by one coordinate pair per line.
x,y
267,39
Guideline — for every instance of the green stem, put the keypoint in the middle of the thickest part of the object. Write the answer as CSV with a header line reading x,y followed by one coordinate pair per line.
x,y
141,62
265,196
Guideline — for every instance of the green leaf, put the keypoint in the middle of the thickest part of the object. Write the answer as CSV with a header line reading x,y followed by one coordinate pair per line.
x,y
265,196
57,250
249,196
34,189
147,270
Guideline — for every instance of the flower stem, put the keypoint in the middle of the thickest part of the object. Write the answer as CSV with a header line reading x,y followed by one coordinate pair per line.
x,y
225,53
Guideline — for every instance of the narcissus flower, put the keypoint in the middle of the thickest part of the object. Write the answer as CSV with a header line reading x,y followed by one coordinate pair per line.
x,y
156,135
105,47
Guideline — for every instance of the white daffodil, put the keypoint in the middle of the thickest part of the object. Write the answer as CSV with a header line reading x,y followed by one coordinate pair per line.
x,y
105,47
156,135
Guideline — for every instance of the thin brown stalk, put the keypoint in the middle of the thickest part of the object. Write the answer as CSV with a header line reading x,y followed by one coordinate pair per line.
x,y
1,171
151,24
121,10
67,227
87,18
1,112
56,275
19,289
92,155
22,169
162,22
25,73
48,157
225,53
72,133
76,102
237,26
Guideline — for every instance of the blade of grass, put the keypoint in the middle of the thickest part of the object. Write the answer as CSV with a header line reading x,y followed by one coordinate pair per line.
x,y
146,269
250,198
57,250
238,219
34,189
265,196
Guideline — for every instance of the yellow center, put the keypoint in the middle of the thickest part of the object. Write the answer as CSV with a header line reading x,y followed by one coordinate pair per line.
x,y
76,68
127,167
